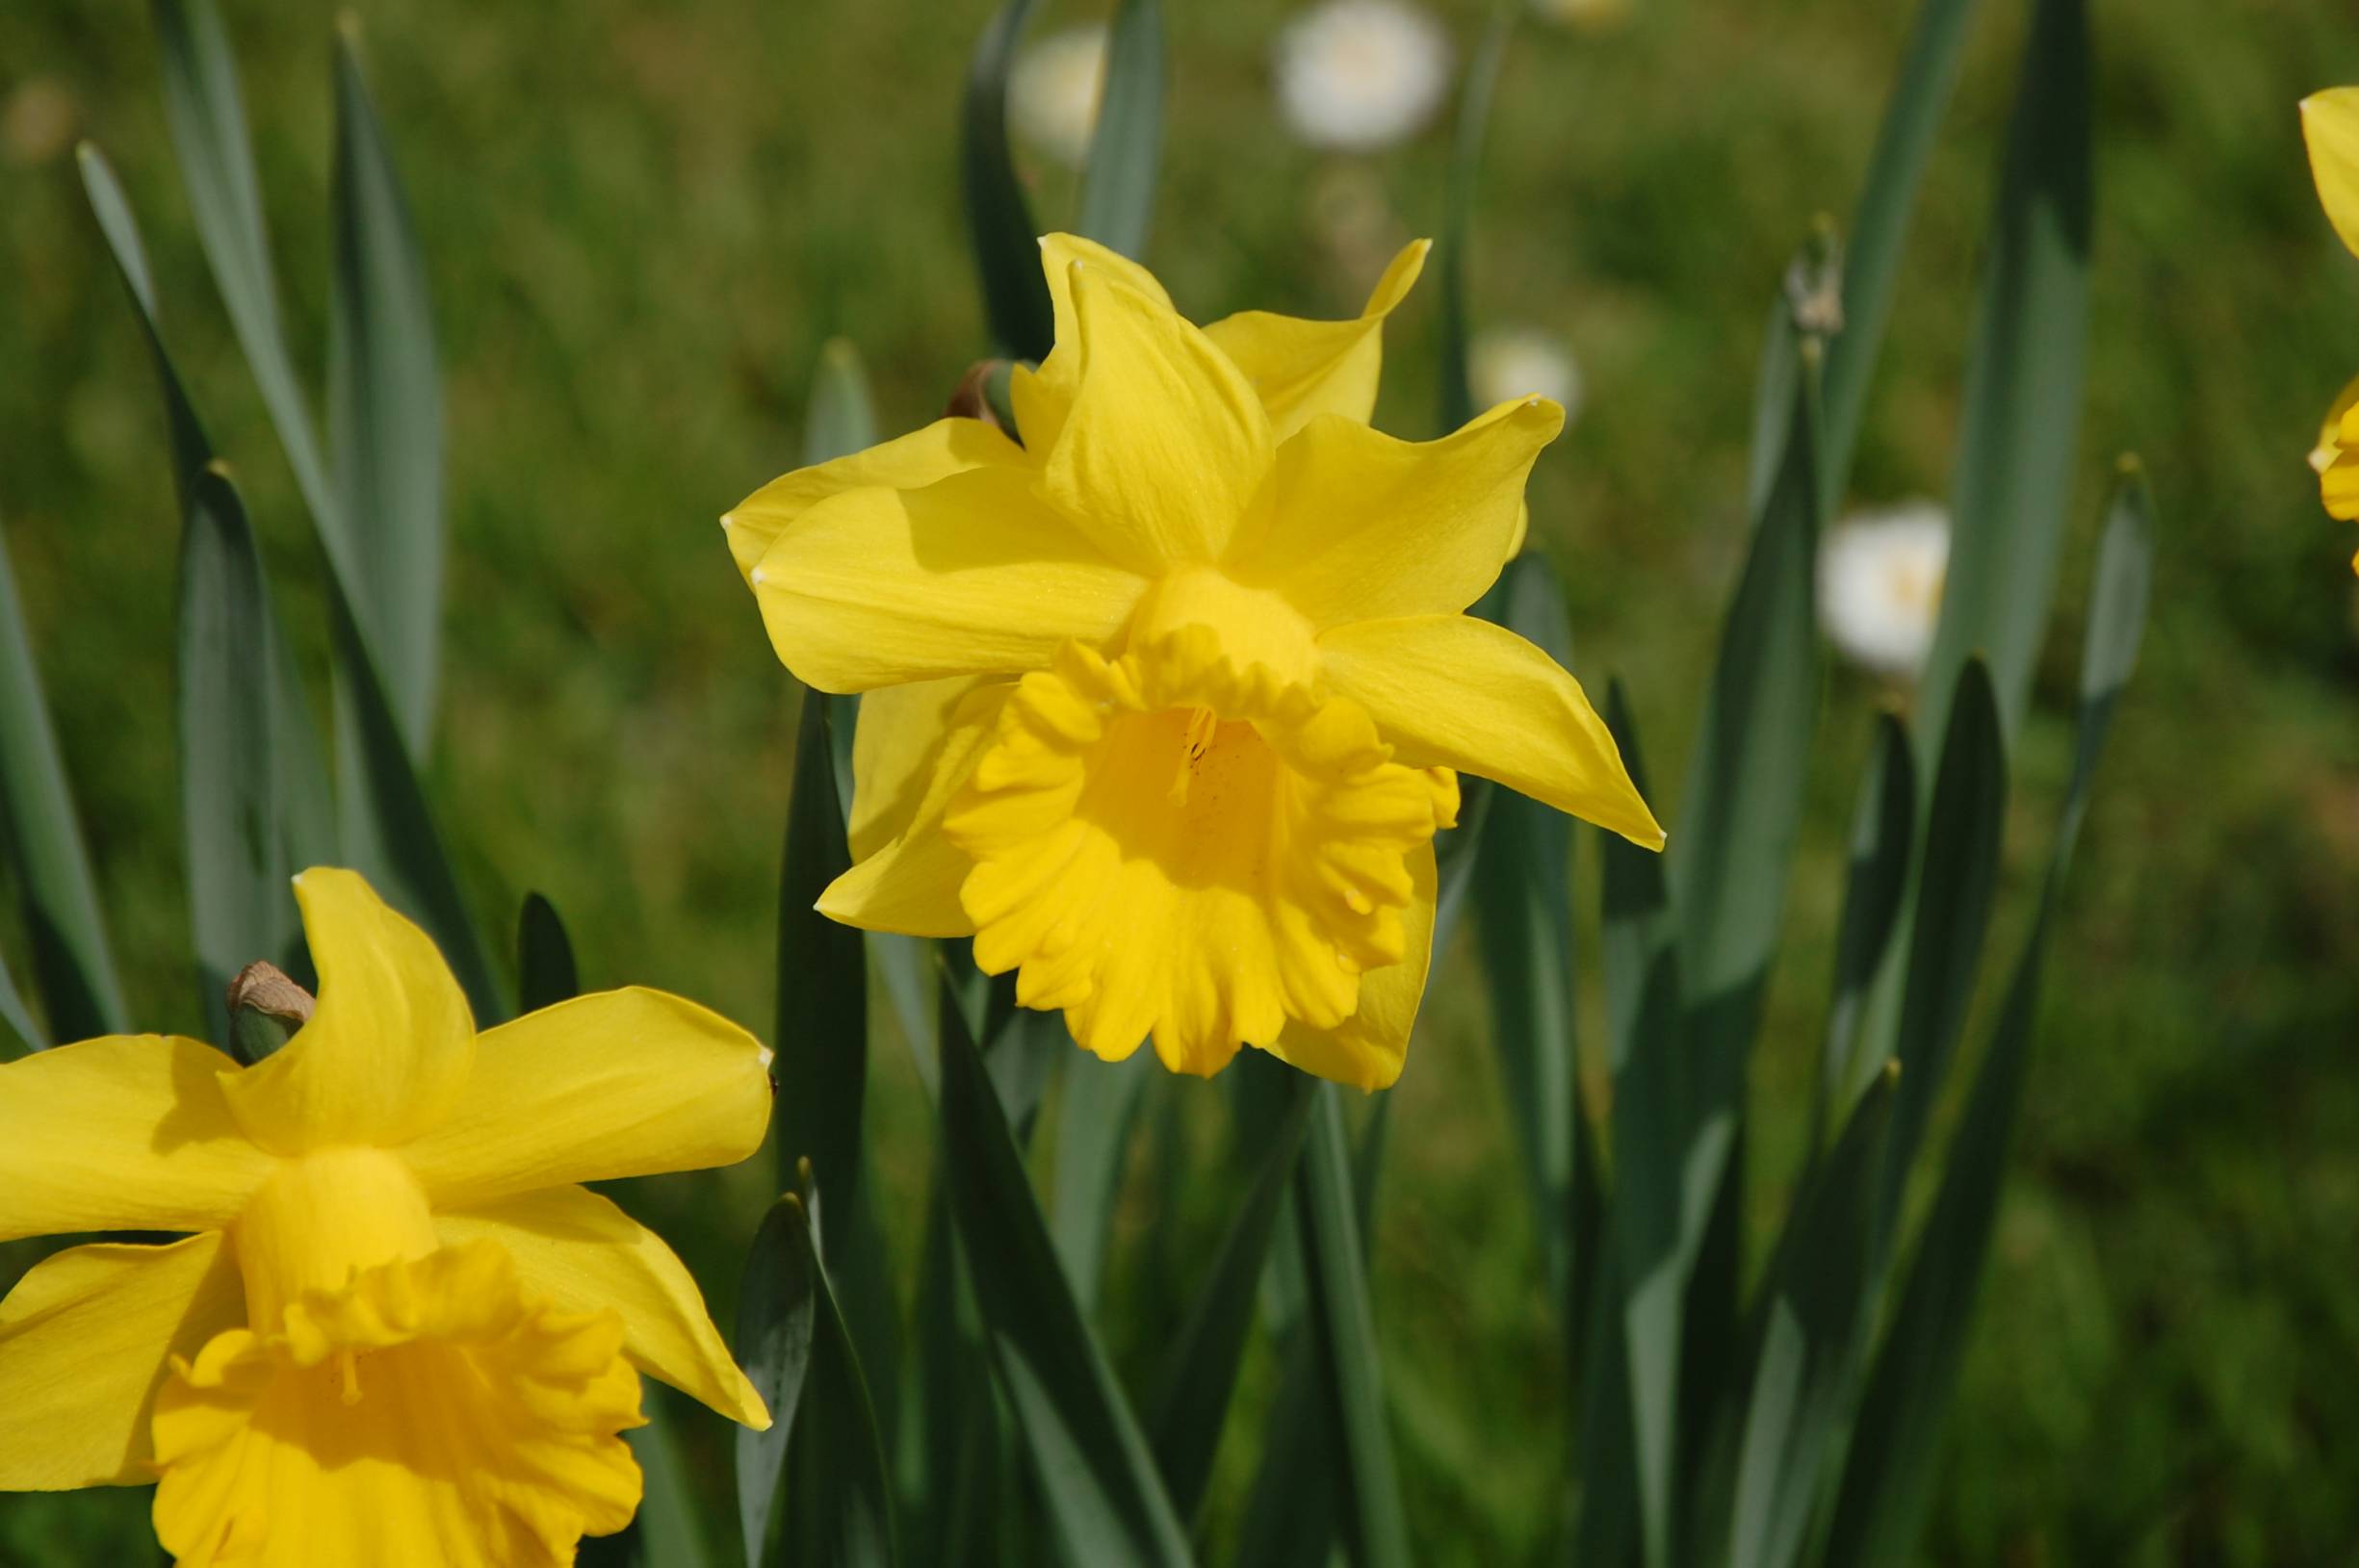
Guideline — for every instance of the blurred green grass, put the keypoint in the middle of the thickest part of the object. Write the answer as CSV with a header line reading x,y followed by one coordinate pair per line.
x,y
641,222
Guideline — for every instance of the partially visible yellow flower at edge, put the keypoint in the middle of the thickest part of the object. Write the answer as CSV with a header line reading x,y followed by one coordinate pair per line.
x,y
1167,703
2330,127
397,1333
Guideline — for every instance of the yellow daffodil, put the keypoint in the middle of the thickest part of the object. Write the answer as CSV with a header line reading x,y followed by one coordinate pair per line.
x,y
397,1334
1168,701
2330,126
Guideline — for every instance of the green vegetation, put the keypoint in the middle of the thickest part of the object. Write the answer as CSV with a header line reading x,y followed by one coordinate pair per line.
x,y
640,226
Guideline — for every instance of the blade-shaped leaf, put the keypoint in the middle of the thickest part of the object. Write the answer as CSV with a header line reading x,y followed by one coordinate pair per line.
x,y
384,401
999,220
1729,857
1772,406
1882,842
842,418
306,817
1652,1243
1955,888
240,905
2014,474
1118,185
1457,236
1727,866
192,452
387,831
1201,1370
1344,1326
1896,1439
546,973
1524,920
27,1032
1104,1499
1093,1135
206,112
1903,141
71,959
822,1035
793,1341
1810,1343
777,1307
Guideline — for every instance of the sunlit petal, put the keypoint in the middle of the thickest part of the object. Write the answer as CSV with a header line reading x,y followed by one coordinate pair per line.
x,y
2330,126
583,1253
900,739
971,575
910,884
85,1339
619,1083
1452,691
130,1132
1302,368
1166,445
386,1053
910,462
1365,527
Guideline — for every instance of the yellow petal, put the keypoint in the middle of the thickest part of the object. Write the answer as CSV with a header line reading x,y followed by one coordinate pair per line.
x,y
2330,442
2330,125
1364,526
1368,1050
1057,254
1043,398
1304,369
895,749
971,575
910,884
583,1253
619,1083
126,1132
429,1412
386,1052
1452,691
85,1339
1166,444
910,462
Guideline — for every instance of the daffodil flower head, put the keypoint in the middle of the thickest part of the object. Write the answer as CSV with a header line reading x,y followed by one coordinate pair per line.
x,y
398,1332
2330,128
1166,704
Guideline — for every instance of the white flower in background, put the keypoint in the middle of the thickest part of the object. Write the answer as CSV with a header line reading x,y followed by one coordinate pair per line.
x,y
1359,74
1583,14
1053,92
1880,585
1510,362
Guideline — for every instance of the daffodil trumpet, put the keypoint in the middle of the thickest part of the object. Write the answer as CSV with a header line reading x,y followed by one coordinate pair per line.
x,y
1167,701
397,1331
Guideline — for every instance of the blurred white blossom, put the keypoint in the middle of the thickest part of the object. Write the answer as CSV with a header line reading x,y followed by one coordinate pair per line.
x,y
1053,92
1360,74
1507,362
1881,576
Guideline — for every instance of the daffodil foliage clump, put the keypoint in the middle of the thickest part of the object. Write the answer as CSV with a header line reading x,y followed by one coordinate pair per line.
x,y
1152,697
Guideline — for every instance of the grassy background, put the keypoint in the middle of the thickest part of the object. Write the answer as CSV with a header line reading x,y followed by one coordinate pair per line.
x,y
641,222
